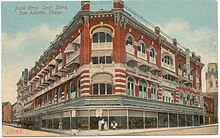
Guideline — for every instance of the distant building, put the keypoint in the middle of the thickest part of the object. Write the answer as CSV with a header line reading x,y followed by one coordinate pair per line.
x,y
6,112
14,112
212,78
211,93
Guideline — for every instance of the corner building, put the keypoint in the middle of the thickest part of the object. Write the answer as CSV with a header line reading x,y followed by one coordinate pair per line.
x,y
108,65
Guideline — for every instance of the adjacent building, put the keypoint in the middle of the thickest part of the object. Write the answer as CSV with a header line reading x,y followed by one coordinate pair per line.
x,y
107,65
6,112
211,94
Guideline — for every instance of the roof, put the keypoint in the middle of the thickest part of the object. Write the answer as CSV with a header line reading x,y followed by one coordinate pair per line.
x,y
5,103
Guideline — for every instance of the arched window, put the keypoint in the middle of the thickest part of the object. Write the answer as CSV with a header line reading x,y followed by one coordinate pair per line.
x,y
143,90
188,100
168,60
72,90
130,87
210,84
181,98
154,92
129,41
131,63
143,68
60,94
142,47
101,37
193,100
102,84
152,53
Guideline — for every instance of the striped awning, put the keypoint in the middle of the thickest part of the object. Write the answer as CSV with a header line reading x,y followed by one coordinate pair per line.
x,y
101,53
102,78
166,72
143,62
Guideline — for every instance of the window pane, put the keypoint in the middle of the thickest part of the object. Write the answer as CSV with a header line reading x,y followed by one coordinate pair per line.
x,y
102,60
102,37
95,60
95,38
108,59
109,38
95,88
102,88
109,89
131,63
139,48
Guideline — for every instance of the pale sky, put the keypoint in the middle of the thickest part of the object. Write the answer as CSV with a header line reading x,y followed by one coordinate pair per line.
x,y
25,37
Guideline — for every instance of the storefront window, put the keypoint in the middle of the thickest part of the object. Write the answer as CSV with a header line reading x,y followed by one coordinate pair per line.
x,y
49,123
43,123
120,120
173,120
182,120
189,120
66,123
150,122
162,120
136,122
201,120
56,122
95,120
196,120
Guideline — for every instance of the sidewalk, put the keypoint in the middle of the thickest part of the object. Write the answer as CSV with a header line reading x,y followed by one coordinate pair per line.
x,y
119,132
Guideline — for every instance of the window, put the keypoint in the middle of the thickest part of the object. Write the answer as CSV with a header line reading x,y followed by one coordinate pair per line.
x,y
154,92
143,89
154,72
102,89
101,37
210,84
192,72
181,98
129,41
72,90
188,99
216,83
193,100
130,87
142,48
168,60
169,77
152,53
102,60
131,63
60,94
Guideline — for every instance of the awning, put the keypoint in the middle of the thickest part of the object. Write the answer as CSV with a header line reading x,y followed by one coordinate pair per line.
x,y
165,72
154,67
142,62
131,57
69,48
102,78
101,53
59,57
52,63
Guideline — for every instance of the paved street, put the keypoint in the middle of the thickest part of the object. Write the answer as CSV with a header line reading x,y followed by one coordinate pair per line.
x,y
208,130
13,131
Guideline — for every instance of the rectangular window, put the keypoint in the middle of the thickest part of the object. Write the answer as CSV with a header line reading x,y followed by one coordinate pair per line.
x,y
102,60
102,88
102,37
95,88
109,38
108,59
95,38
109,89
95,60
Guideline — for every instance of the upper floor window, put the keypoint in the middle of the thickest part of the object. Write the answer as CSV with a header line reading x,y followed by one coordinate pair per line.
x,y
102,60
143,90
142,48
152,53
72,90
143,68
129,41
154,92
168,60
192,72
188,99
193,100
130,87
181,98
180,66
101,37
210,84
169,77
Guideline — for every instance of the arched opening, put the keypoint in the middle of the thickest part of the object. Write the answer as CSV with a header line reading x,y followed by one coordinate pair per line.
x,y
152,53
142,48
143,90
168,60
101,37
129,41
72,90
130,86
154,92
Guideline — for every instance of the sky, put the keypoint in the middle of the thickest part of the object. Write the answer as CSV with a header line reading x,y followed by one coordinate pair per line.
x,y
24,37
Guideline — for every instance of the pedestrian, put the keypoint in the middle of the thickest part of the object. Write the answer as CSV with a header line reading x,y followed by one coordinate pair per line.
x,y
60,126
78,126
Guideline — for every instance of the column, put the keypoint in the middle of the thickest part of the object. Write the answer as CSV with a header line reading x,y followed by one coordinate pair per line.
x,y
127,120
168,119
144,118
178,120
108,118
70,120
157,120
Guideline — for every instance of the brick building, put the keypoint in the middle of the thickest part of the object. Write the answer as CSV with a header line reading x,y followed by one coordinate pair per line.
x,y
6,112
108,65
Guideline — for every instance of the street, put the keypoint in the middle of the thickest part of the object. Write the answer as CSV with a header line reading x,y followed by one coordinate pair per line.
x,y
208,130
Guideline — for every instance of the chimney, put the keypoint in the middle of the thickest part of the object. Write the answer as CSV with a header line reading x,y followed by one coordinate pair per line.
x,y
85,5
157,30
174,42
118,4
